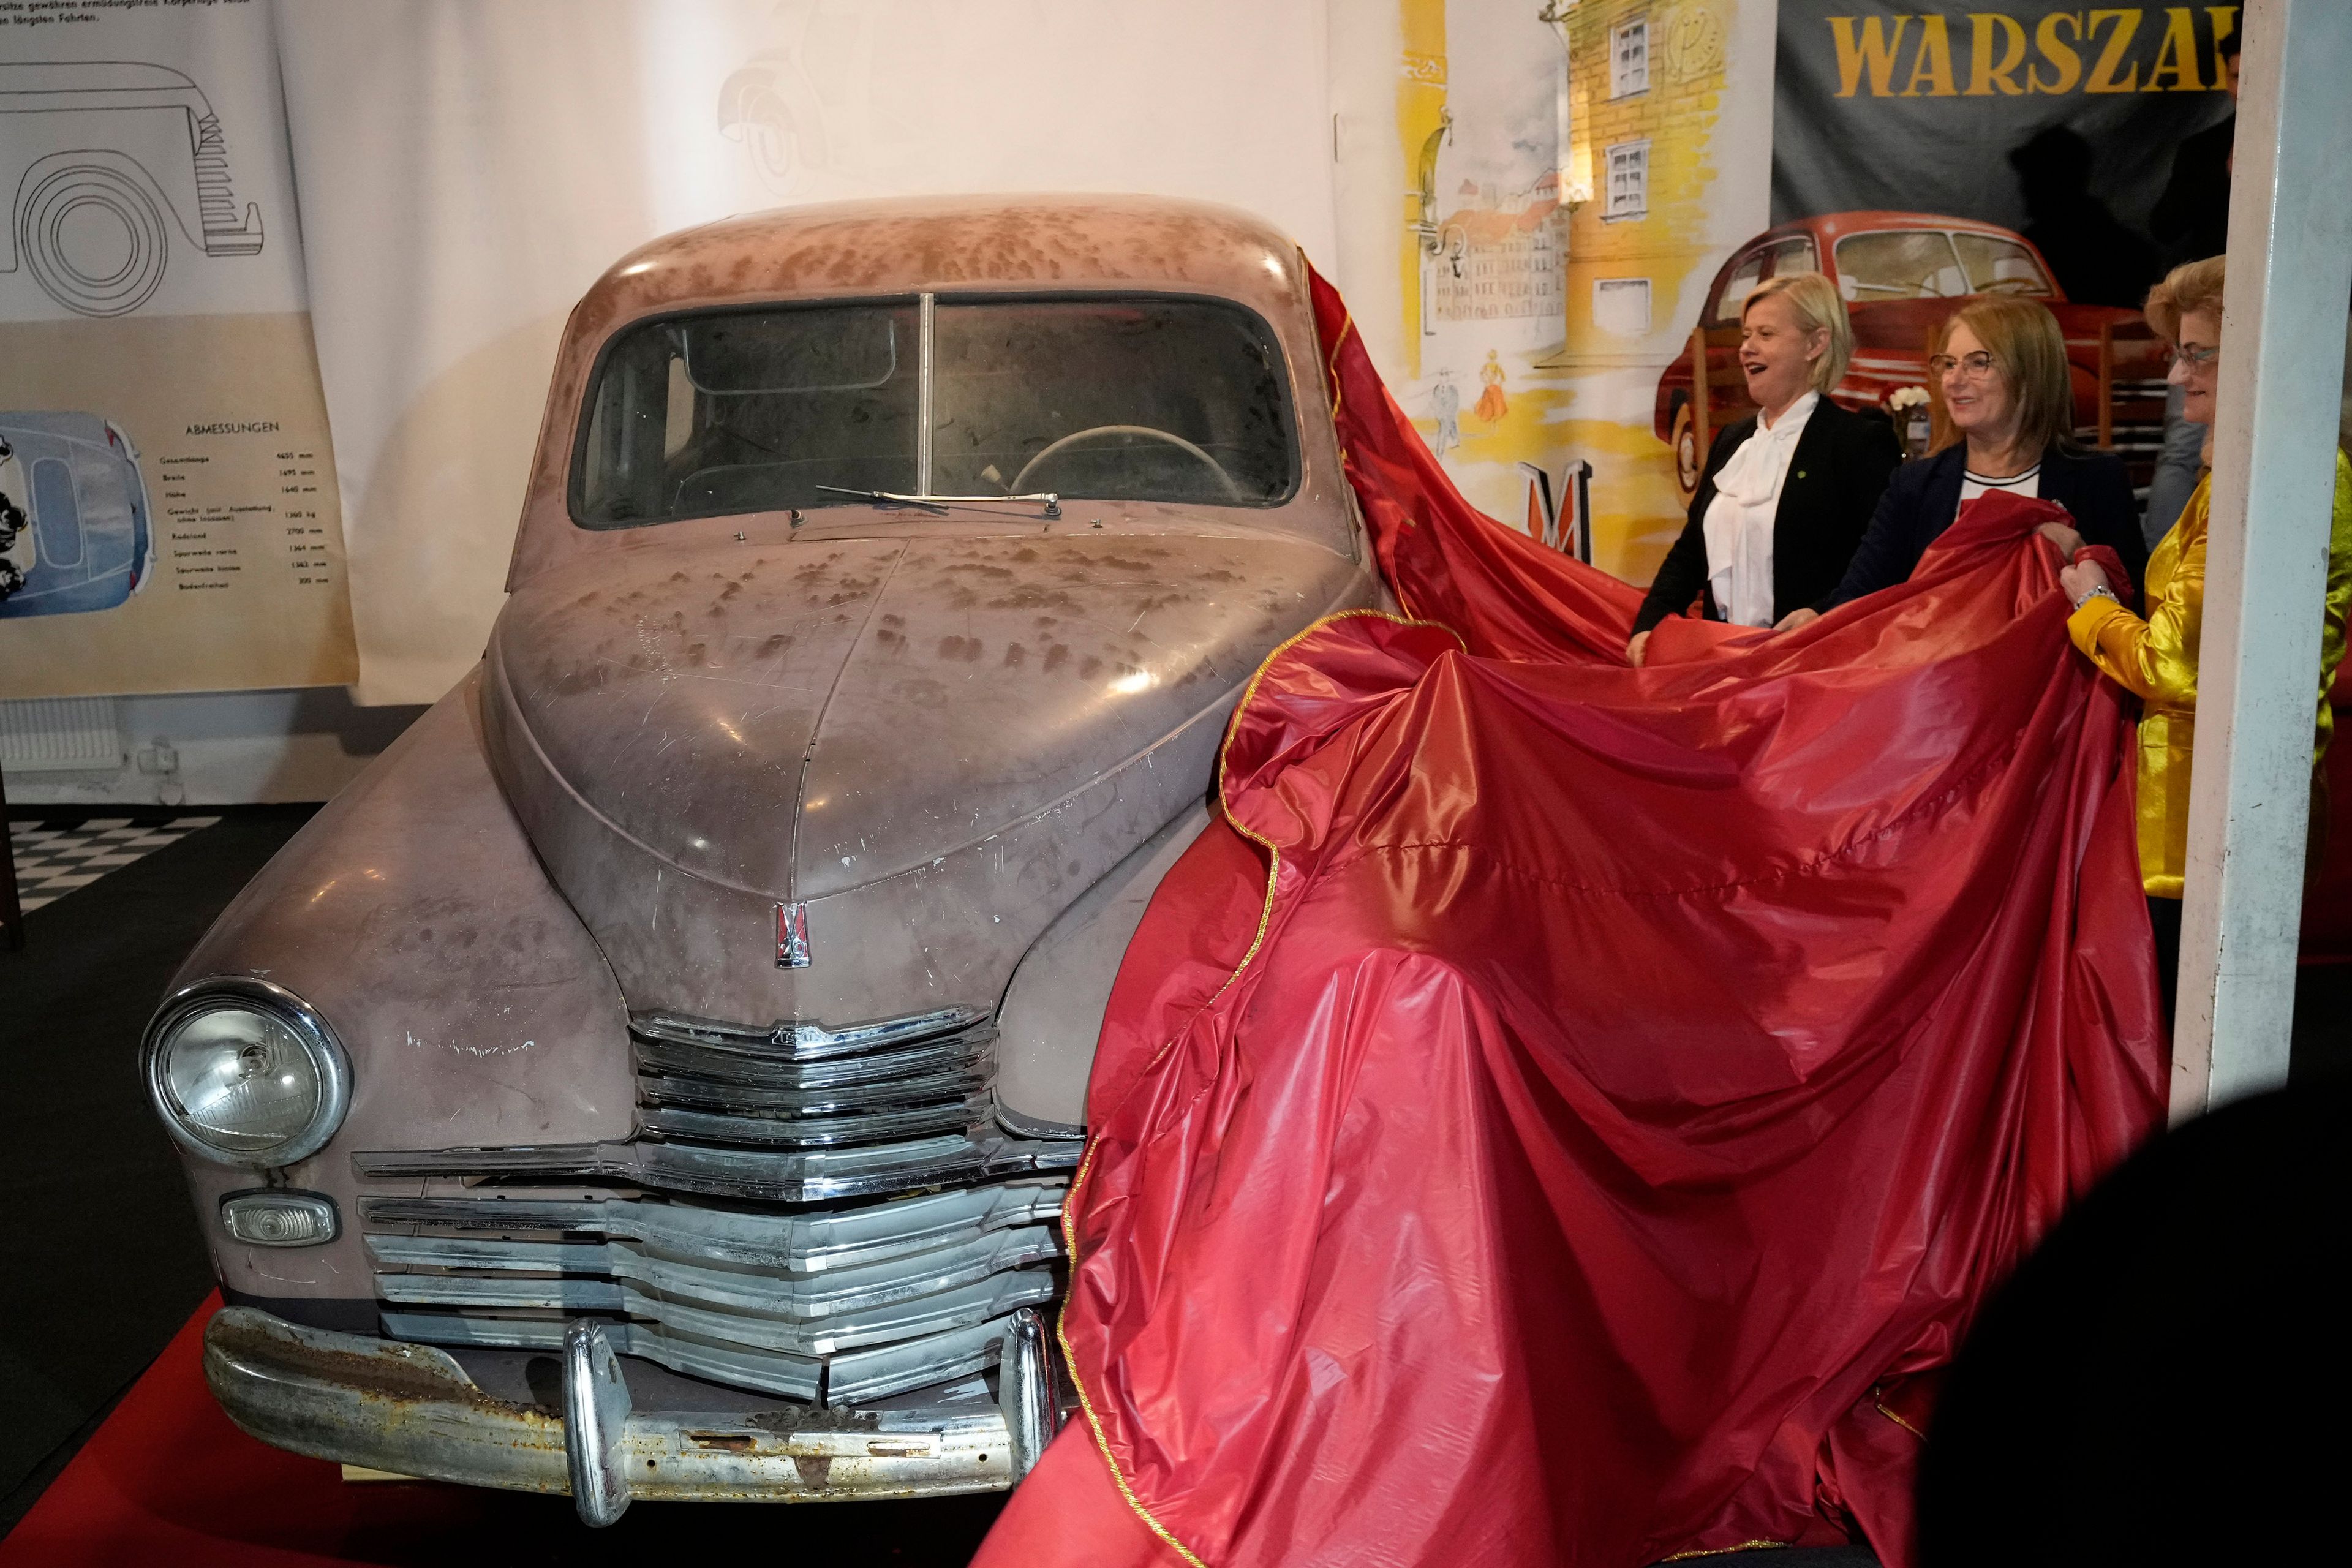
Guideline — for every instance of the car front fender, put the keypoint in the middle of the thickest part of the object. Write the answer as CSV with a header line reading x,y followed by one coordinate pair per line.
x,y
475,1008
1052,1011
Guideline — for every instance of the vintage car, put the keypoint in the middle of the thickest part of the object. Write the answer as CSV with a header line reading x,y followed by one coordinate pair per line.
x,y
74,531
658,1076
102,161
1901,275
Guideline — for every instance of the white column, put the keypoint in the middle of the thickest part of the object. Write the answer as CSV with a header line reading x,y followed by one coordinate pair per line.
x,y
2274,477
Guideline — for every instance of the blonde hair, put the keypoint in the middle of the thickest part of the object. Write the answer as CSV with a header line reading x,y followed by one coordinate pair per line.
x,y
2186,291
2029,353
1819,307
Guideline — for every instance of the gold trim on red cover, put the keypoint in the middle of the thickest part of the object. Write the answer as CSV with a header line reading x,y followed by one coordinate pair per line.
x,y
1724,1551
1876,1390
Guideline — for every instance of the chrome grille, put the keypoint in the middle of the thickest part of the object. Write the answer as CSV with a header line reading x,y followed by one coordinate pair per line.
x,y
697,1241
803,1086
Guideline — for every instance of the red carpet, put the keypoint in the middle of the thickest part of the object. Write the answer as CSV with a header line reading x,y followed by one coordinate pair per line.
x,y
167,1482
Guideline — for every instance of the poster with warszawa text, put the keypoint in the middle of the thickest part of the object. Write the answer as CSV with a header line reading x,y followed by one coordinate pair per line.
x,y
2063,122
2020,147
168,514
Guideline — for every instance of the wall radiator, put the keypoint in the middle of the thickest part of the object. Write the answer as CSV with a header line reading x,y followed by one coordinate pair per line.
x,y
61,734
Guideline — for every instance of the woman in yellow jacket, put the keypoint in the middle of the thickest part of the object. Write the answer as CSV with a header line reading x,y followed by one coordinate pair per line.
x,y
2157,657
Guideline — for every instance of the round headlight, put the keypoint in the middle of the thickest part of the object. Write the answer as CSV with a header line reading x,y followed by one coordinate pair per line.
x,y
247,1073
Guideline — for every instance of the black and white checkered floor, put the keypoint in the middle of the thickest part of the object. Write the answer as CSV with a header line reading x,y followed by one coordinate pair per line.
x,y
54,858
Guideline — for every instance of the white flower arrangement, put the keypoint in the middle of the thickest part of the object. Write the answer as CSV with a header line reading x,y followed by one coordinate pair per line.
x,y
1905,397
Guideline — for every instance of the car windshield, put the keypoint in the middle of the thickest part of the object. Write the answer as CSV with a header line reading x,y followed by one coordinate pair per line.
x,y
1899,264
1151,398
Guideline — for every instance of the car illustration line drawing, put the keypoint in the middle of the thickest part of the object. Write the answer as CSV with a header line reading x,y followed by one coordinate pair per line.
x,y
74,528
702,994
101,161
1901,275
800,108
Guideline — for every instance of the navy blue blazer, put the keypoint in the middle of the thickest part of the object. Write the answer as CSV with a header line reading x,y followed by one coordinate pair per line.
x,y
1924,497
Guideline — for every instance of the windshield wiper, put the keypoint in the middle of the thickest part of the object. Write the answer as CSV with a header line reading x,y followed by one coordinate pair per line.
x,y
1051,500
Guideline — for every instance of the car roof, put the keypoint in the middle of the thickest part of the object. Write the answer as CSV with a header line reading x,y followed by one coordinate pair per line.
x,y
906,245
70,76
86,428
1834,227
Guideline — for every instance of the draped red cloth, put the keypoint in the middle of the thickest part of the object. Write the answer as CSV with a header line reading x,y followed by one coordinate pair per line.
x,y
2327,901
1564,1113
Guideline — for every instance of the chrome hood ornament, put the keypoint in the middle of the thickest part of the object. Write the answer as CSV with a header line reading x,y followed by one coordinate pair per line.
x,y
791,936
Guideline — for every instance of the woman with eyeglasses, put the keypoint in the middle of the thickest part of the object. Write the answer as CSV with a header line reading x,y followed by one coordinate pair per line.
x,y
2155,659
2001,397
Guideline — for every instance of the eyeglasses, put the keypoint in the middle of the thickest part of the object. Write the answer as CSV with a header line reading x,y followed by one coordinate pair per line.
x,y
2185,354
1979,363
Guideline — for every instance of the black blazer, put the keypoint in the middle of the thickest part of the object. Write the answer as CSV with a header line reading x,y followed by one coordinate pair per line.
x,y
1836,478
1924,497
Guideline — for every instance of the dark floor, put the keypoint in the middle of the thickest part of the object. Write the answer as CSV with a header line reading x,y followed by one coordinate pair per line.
x,y
99,1216
2323,1021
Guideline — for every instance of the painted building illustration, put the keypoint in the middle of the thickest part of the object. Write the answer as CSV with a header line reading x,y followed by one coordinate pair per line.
x,y
1502,256
1644,84
1562,215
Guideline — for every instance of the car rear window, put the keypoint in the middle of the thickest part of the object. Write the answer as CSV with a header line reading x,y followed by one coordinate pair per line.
x,y
1899,264
56,519
1149,398
1998,266
1795,256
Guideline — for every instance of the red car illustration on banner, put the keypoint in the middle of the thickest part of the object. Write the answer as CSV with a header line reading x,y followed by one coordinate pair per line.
x,y
1902,273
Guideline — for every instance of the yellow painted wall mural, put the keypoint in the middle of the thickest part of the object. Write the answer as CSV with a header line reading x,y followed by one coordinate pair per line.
x,y
1575,172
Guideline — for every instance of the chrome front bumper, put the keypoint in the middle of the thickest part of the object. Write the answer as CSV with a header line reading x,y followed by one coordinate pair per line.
x,y
412,1409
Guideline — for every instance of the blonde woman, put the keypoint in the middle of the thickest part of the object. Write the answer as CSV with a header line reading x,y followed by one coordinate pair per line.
x,y
1785,496
2001,400
2155,659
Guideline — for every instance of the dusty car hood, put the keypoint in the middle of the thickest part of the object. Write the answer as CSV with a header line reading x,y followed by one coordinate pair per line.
x,y
793,721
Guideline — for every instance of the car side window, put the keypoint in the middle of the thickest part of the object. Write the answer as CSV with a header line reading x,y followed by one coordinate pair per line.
x,y
1742,282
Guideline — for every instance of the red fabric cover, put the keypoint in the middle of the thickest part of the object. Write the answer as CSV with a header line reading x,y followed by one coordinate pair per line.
x,y
1569,1113
2327,902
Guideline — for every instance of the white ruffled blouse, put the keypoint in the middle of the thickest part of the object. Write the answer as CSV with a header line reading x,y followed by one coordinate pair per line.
x,y
1738,523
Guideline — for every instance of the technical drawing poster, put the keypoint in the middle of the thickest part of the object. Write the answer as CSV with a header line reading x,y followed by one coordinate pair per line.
x,y
168,512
